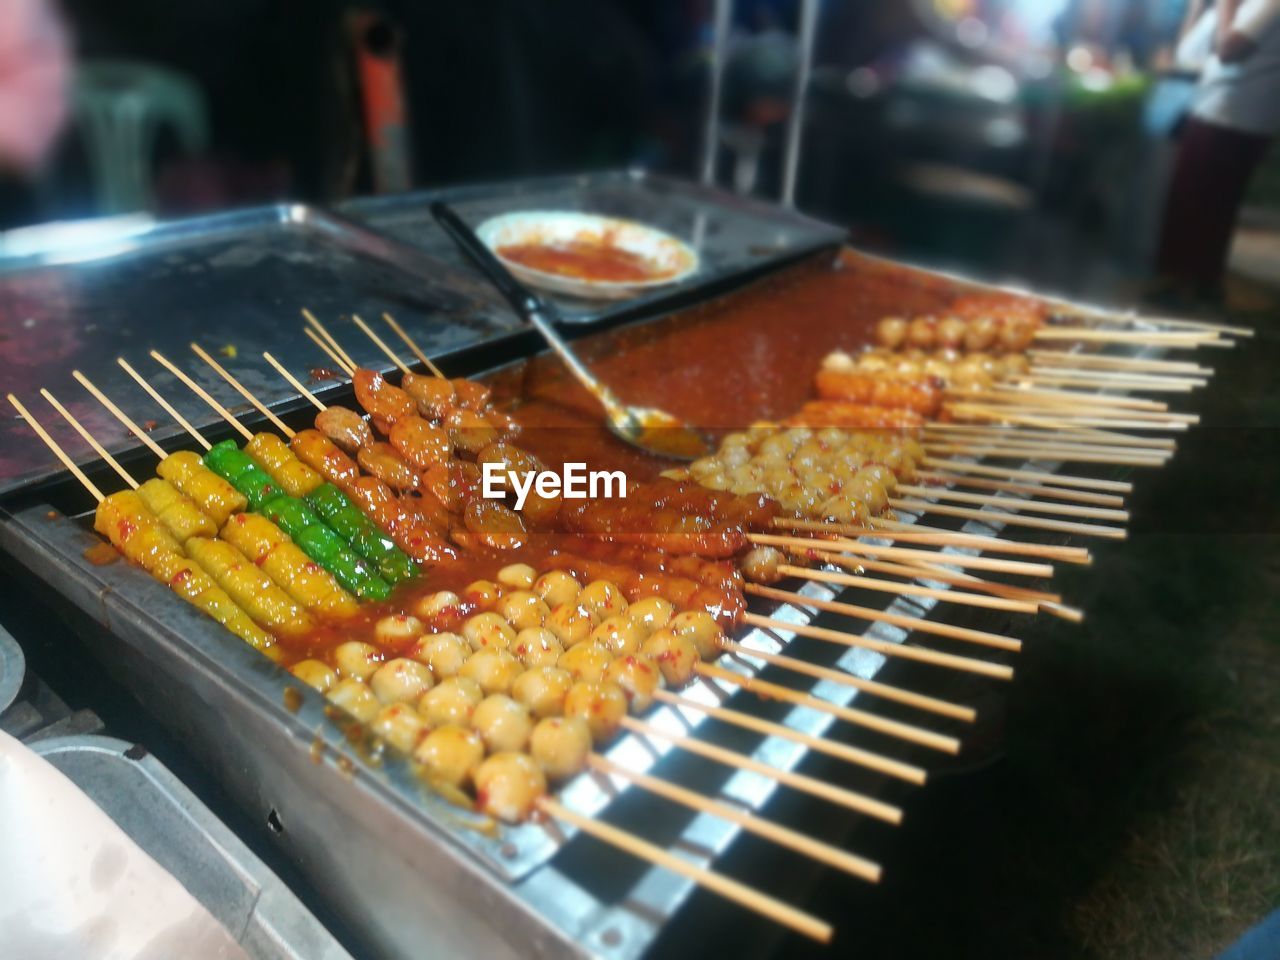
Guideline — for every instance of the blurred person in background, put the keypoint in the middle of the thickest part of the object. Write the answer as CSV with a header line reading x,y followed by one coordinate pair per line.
x,y
1235,113
35,73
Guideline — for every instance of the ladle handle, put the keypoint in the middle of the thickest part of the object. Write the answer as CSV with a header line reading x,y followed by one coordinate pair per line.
x,y
527,304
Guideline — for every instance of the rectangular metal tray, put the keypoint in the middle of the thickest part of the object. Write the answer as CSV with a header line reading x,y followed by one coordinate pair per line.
x,y
735,237
80,296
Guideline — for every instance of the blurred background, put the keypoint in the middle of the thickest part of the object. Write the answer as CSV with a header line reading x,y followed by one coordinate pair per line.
x,y
1011,137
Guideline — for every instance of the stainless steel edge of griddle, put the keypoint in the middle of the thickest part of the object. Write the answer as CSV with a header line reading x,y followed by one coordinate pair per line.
x,y
167,821
13,670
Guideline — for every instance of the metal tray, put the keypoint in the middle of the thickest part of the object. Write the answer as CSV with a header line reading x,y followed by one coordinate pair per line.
x,y
13,670
735,237
80,295
162,817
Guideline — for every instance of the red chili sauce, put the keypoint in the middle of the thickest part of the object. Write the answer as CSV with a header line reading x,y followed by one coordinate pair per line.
x,y
593,260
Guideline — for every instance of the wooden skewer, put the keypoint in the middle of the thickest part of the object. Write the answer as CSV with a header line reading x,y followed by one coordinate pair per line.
x,y
768,690
120,415
1085,417
905,554
903,621
886,529
294,381
946,660
328,351
1060,378
1032,489
1011,519
1016,504
841,751
1093,315
1031,434
783,836
1013,473
872,688
379,343
408,342
90,439
58,452
775,910
913,590
849,799
1028,453
168,407
203,394
1003,391
1006,422
1106,362
1147,338
243,391
333,342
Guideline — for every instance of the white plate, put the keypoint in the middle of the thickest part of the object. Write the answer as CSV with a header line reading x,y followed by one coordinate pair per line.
x,y
671,256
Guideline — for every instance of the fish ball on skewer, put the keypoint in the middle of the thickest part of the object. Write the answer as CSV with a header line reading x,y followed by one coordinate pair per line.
x,y
493,668
638,677
503,723
451,701
400,726
542,690
450,755
602,705
444,653
537,647
586,661
509,785
561,746
355,697
356,659
315,674
486,630
401,681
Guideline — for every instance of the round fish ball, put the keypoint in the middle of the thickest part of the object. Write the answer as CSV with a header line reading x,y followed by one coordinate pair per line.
x,y
586,661
488,630
438,605
556,587
483,593
494,669
560,745
537,647
524,609
450,754
315,674
619,634
700,629
651,613
355,697
444,653
638,678
451,701
602,599
518,576
602,705
542,690
503,724
396,630
509,785
356,659
401,681
675,656
571,623
400,726
892,332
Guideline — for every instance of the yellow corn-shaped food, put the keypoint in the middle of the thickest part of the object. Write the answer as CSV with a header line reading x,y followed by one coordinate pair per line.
x,y
217,498
123,518
188,581
248,586
302,578
274,456
177,512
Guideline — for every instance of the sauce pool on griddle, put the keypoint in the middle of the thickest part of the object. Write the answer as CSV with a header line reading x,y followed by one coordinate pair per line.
x,y
596,260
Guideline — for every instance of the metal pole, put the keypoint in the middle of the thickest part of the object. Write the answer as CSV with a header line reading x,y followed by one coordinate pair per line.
x,y
795,123
719,53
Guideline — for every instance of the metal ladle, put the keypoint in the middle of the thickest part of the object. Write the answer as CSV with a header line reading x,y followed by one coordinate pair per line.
x,y
652,430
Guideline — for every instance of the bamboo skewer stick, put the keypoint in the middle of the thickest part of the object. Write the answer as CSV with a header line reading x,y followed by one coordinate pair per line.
x,y
870,687
328,351
58,452
1013,473
1010,519
165,404
958,432
203,394
1016,504
1065,456
1004,423
1146,338
1087,314
294,381
1005,391
775,910
841,751
243,391
1031,489
935,572
416,350
120,415
849,799
1109,379
904,621
90,439
905,554
912,590
793,840
333,342
1083,417
1055,358
379,343
947,660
